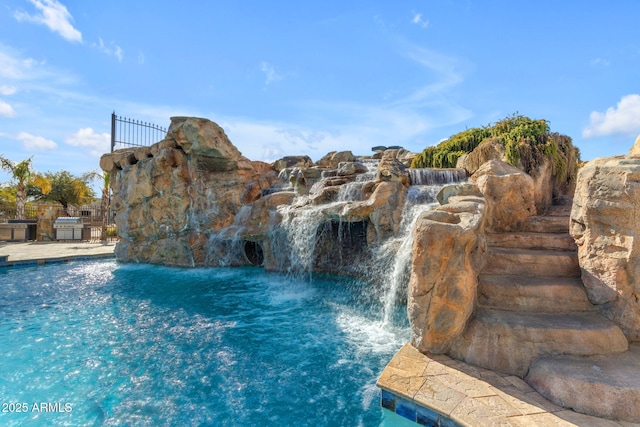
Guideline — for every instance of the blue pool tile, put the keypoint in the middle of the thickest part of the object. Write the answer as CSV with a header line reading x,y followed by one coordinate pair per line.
x,y
427,417
405,408
388,400
446,422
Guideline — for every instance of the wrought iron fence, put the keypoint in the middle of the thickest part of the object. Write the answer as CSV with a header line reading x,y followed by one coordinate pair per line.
x,y
9,212
127,132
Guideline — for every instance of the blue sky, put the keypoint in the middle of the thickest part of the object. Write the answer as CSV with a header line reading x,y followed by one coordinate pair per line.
x,y
285,77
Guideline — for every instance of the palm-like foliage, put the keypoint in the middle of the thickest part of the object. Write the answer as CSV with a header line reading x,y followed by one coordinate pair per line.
x,y
23,173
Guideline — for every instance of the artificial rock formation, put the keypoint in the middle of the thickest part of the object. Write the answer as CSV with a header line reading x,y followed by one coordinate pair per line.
x,y
192,199
166,195
509,193
546,186
448,253
605,226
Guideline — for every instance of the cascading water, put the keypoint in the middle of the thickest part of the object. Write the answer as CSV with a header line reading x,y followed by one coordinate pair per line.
x,y
435,176
390,260
308,226
396,254
297,244
302,219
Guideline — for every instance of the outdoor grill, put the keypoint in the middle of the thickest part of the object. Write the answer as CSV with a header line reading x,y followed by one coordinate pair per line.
x,y
18,230
68,228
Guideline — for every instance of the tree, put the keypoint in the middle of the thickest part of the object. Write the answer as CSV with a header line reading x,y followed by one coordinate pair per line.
x,y
24,174
66,189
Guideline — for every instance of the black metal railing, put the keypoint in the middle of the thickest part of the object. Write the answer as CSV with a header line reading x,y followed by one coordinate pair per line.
x,y
9,212
127,132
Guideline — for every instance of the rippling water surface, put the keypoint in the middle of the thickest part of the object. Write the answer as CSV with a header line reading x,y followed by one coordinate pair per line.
x,y
106,344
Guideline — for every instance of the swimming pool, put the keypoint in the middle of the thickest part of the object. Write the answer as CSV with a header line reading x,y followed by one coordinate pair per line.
x,y
97,343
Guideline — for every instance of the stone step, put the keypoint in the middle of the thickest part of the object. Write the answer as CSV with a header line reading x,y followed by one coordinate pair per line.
x,y
508,342
558,210
533,294
532,262
528,240
603,386
547,224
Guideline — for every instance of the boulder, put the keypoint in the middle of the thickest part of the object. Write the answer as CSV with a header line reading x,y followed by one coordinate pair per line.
x,y
386,202
465,189
605,226
489,149
290,162
509,195
449,251
351,168
391,169
333,159
202,137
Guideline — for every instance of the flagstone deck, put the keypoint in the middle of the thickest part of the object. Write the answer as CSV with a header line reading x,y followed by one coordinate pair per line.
x,y
438,390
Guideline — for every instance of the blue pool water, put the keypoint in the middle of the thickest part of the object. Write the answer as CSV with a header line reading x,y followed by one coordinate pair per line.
x,y
102,344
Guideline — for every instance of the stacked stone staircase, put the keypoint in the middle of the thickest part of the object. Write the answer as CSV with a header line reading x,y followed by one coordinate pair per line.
x,y
534,320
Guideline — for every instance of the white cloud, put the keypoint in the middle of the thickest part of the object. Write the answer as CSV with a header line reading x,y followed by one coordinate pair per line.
x,y
623,119
33,142
419,20
55,16
270,73
599,62
111,49
12,67
99,143
6,110
7,90
140,57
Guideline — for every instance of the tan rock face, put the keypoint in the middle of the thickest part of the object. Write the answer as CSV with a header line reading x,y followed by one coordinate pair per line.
x,y
391,168
334,158
606,228
204,138
509,195
635,150
448,252
546,186
169,197
289,162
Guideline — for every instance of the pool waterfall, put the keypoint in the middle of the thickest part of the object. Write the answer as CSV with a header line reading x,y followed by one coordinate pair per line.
x,y
313,234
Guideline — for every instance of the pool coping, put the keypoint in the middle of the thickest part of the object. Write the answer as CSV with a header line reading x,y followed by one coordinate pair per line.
x,y
40,253
5,263
435,390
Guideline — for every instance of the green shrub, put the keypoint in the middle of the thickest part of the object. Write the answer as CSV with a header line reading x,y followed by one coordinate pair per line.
x,y
527,143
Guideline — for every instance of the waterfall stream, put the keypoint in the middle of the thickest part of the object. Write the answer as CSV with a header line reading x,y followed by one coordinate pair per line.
x,y
396,254
389,263
313,233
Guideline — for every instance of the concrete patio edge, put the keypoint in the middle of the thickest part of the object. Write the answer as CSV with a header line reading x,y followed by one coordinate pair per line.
x,y
17,254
